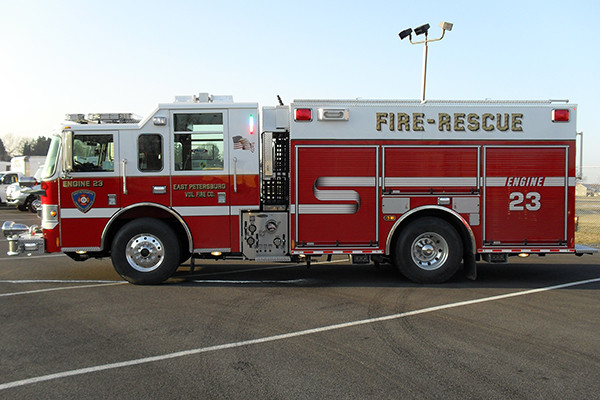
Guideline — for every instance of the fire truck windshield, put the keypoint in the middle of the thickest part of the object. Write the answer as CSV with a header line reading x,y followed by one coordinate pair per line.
x,y
52,157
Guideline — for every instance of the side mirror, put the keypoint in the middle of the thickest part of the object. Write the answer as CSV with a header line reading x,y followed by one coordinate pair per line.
x,y
27,181
67,145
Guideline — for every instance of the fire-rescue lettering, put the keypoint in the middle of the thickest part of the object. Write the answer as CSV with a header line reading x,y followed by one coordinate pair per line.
x,y
457,122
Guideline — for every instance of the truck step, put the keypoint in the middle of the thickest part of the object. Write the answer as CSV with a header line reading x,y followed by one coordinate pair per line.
x,y
273,259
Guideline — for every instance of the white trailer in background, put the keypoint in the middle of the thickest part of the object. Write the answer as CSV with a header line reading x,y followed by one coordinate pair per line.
x,y
27,165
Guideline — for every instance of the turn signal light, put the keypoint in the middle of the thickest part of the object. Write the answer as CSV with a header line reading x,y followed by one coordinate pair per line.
x,y
303,114
560,115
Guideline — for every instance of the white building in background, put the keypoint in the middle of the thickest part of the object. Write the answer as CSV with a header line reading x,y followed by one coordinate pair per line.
x,y
27,165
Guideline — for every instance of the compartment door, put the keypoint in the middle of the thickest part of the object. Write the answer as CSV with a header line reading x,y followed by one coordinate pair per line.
x,y
525,195
336,196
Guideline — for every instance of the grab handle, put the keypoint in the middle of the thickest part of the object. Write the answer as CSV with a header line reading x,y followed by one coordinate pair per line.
x,y
235,174
124,169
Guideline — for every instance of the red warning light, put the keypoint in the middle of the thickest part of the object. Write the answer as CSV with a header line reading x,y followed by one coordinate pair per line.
x,y
560,115
303,114
251,124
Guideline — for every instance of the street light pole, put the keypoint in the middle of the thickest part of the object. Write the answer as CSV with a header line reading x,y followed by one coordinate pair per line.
x,y
423,29
424,70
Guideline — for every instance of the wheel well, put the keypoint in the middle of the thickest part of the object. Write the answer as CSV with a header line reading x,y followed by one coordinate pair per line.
x,y
454,219
145,211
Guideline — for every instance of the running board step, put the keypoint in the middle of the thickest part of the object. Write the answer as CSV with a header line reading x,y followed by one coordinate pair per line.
x,y
581,249
273,259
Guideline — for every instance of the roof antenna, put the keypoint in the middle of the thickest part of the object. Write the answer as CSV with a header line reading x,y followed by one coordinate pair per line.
x,y
279,100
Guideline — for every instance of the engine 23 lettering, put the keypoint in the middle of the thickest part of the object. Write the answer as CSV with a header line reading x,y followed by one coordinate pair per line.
x,y
457,122
82,184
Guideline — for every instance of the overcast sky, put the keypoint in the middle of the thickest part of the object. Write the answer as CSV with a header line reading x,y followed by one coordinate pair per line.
x,y
66,56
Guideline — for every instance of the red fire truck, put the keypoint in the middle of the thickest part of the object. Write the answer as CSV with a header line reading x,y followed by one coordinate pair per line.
x,y
430,186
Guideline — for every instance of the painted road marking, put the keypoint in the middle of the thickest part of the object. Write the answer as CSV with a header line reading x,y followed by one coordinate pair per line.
x,y
267,339
55,281
292,281
62,288
109,283
14,258
239,271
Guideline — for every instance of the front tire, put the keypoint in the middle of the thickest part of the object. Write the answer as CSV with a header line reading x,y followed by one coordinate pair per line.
x,y
145,251
429,250
35,204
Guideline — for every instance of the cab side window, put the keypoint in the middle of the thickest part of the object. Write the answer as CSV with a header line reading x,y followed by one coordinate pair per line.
x,y
198,143
150,152
93,153
8,179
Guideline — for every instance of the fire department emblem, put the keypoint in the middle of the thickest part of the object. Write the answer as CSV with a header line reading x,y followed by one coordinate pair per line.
x,y
84,200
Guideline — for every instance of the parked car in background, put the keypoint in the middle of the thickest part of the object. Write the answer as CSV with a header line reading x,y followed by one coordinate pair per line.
x,y
22,193
6,179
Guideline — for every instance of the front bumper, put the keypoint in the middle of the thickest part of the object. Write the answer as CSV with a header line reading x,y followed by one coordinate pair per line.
x,y
14,202
23,239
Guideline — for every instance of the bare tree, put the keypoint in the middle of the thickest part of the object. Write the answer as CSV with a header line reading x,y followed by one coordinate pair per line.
x,y
13,144
3,155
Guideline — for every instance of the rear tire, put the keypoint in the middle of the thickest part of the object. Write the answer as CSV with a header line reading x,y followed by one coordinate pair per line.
x,y
429,250
145,251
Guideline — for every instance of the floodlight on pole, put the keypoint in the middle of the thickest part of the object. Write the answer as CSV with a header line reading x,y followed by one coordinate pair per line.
x,y
423,29
420,30
405,33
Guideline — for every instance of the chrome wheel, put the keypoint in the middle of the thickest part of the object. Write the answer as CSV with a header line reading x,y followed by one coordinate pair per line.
x,y
429,251
145,252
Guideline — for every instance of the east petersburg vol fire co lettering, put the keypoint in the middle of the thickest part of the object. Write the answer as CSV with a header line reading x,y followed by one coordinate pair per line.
x,y
457,122
199,190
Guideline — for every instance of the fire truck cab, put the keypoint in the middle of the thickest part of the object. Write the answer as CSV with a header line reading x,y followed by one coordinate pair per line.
x,y
425,185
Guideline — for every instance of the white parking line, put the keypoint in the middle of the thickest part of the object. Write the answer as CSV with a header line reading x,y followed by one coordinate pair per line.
x,y
62,288
267,339
55,281
32,257
250,282
108,283
239,271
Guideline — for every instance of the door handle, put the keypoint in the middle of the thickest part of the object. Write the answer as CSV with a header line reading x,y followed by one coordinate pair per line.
x,y
235,174
124,168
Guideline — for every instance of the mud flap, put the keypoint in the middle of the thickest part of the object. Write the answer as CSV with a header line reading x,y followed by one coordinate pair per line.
x,y
470,266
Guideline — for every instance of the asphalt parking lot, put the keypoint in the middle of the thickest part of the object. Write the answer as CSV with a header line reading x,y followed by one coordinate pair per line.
x,y
236,330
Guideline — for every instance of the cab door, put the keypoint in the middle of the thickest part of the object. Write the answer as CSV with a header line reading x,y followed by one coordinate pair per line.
x,y
200,189
144,165
89,194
